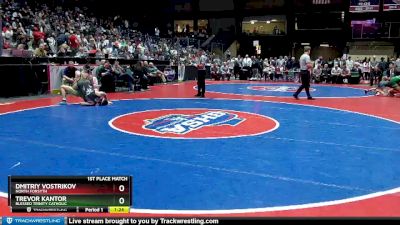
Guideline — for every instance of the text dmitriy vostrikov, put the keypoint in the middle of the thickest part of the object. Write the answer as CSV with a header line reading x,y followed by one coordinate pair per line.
x,y
41,188
45,186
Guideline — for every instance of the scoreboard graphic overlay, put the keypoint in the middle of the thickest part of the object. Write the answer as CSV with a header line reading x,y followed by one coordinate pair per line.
x,y
69,194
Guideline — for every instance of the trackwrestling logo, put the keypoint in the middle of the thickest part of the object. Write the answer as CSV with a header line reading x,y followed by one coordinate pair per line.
x,y
183,124
275,88
194,123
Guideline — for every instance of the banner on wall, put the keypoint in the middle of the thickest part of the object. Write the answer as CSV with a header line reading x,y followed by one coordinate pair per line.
x,y
390,5
364,6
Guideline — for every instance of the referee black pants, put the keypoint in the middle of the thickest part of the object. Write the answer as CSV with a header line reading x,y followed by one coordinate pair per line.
x,y
201,82
305,83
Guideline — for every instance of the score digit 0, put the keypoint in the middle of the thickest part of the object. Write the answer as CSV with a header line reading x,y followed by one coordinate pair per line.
x,y
121,188
121,201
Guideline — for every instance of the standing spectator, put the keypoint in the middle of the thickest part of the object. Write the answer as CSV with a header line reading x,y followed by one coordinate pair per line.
x,y
391,72
349,63
366,69
290,63
381,69
52,44
181,70
231,65
247,63
374,71
237,67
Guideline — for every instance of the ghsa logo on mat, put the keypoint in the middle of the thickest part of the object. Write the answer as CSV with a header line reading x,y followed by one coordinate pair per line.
x,y
183,124
194,123
275,88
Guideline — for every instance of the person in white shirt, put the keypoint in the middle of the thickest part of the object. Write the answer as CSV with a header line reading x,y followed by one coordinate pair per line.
x,y
349,63
201,75
181,69
231,65
247,62
224,71
335,73
203,59
397,63
391,72
317,74
131,49
345,75
265,63
366,69
318,62
280,61
52,45
305,67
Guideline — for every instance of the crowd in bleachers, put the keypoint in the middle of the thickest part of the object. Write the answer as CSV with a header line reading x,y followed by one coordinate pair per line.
x,y
284,68
58,32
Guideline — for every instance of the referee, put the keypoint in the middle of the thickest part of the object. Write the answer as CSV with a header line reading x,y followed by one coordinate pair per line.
x,y
201,76
305,65
201,80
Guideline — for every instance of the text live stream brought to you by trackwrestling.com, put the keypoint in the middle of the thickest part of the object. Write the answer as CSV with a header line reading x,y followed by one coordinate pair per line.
x,y
104,221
